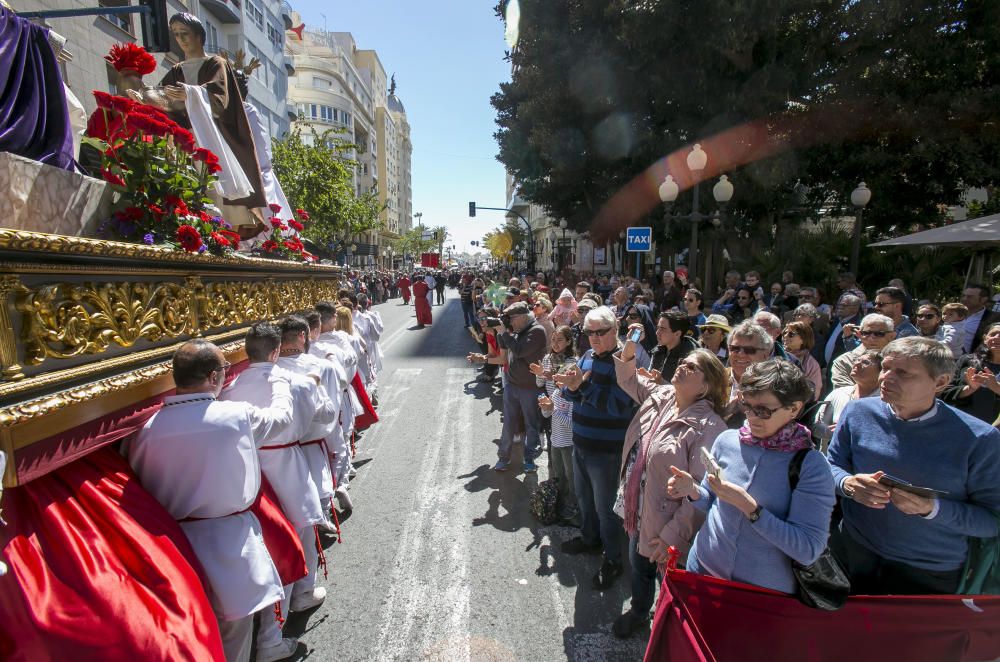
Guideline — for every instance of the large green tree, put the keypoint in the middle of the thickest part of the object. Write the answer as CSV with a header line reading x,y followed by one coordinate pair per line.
x,y
316,173
797,100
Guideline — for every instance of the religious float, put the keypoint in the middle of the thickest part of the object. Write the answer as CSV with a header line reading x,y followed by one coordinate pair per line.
x,y
101,278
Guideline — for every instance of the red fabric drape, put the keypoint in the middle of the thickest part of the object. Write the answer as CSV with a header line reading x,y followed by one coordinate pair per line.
x,y
367,418
280,537
703,619
99,571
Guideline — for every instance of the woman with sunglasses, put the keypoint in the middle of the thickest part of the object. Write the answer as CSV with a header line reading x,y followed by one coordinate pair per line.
x,y
692,302
798,339
756,525
638,313
737,304
674,423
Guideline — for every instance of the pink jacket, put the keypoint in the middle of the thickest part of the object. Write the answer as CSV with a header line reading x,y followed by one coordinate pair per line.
x,y
677,442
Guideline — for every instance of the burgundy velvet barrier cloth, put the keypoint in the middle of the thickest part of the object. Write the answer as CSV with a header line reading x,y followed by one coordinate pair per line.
x,y
368,417
34,115
280,537
703,619
99,571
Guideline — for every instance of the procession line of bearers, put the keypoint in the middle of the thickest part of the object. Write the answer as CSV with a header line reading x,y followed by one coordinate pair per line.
x,y
289,417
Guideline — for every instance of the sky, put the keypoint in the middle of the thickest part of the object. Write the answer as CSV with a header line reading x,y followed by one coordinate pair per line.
x,y
448,58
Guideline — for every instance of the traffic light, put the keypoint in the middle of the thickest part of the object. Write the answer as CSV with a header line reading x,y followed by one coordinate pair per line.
x,y
155,28
472,210
437,236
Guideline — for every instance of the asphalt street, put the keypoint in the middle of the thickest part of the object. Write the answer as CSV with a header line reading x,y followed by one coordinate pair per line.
x,y
440,559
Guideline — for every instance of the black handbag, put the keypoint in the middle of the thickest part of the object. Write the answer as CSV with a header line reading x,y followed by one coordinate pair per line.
x,y
822,584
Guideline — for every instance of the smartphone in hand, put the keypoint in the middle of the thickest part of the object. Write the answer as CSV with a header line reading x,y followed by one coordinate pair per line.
x,y
711,465
635,335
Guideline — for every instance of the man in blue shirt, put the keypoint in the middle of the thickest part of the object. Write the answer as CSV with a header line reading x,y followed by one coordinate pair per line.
x,y
893,540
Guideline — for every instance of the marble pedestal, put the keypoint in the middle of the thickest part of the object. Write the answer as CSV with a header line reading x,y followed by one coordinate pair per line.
x,y
40,198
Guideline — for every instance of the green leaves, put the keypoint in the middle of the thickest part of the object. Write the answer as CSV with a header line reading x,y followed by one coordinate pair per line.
x,y
316,175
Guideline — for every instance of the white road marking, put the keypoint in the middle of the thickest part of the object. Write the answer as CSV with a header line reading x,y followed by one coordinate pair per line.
x,y
426,612
394,386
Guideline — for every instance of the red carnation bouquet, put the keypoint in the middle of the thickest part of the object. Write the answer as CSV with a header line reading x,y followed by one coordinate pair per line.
x,y
160,176
131,58
284,242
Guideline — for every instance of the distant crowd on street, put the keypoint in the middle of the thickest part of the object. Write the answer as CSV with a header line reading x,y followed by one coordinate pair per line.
x,y
744,432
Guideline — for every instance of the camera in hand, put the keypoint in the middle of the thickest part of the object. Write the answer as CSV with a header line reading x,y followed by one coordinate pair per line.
x,y
493,321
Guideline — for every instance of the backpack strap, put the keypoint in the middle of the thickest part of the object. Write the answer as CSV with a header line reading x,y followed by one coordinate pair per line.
x,y
795,467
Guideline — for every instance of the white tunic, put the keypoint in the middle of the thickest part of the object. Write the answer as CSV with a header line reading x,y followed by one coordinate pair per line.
x,y
325,348
316,454
198,457
281,459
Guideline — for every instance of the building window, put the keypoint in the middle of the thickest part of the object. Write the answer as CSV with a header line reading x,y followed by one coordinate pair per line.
x,y
125,21
274,35
212,38
255,13
322,83
326,113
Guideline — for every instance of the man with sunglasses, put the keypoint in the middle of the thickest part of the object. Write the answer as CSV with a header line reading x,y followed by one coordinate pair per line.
x,y
197,456
602,412
889,301
876,332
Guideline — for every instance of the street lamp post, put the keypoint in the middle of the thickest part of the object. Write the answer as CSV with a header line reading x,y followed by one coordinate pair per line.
x,y
350,253
697,159
859,198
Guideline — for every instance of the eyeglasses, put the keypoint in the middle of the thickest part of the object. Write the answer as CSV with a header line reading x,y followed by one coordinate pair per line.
x,y
926,316
224,367
790,334
598,332
880,304
877,334
758,411
633,316
744,349
805,296
710,330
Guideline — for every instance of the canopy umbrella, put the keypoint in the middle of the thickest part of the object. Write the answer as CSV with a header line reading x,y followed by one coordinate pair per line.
x,y
979,233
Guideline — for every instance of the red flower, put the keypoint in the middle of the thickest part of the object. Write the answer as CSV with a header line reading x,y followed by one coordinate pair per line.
x,y
156,211
189,238
204,217
233,237
269,245
131,57
277,224
293,244
213,167
183,138
302,214
147,125
108,126
205,155
275,208
295,225
103,99
112,178
133,213
220,240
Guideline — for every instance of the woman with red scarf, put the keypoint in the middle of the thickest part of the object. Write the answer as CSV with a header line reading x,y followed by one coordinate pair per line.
x,y
422,303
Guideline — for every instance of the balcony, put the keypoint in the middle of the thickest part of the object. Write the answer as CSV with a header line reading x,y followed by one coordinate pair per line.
x,y
289,64
227,11
286,15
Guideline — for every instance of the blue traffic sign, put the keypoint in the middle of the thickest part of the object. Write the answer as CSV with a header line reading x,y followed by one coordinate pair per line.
x,y
639,240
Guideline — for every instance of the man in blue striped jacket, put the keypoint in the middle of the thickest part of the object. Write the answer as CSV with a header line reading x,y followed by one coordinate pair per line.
x,y
602,412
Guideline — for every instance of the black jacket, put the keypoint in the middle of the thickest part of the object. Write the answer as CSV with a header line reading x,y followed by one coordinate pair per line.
x,y
666,360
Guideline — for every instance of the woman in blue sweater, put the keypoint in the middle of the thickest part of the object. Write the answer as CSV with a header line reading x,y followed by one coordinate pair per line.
x,y
755,524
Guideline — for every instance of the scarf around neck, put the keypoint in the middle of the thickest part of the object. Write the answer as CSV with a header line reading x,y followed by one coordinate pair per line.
x,y
793,437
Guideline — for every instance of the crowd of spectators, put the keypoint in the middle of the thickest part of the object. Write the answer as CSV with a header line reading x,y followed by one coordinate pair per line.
x,y
674,418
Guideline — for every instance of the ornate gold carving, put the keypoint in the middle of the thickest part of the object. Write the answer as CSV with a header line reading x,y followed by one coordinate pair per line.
x,y
32,409
66,319
41,242
11,369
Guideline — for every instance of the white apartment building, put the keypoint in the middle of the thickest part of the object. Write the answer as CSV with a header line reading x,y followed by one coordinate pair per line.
x,y
338,86
255,26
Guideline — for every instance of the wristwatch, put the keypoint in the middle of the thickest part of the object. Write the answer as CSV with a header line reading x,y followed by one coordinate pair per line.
x,y
755,515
